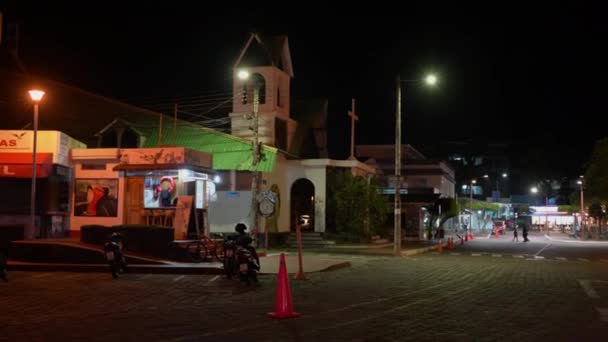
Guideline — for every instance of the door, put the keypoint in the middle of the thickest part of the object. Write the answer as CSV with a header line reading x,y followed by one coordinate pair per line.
x,y
134,200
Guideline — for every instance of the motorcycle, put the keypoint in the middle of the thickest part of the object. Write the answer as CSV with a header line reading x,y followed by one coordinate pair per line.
x,y
230,263
248,261
114,256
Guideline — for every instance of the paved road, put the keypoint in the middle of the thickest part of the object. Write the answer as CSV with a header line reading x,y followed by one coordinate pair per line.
x,y
555,247
485,293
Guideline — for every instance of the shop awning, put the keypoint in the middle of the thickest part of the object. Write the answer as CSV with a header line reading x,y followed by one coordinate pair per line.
x,y
229,152
19,165
152,167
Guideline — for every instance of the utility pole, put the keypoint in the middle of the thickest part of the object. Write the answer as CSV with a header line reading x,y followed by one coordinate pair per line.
x,y
255,182
397,237
582,212
354,118
175,124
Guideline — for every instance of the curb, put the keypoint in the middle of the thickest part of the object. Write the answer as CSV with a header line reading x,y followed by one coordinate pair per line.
x,y
419,250
336,267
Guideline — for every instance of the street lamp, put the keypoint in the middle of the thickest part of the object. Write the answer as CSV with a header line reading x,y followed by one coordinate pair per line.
x,y
429,80
244,75
580,182
36,96
473,181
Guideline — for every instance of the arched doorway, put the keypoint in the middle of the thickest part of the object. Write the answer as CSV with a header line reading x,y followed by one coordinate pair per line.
x,y
302,204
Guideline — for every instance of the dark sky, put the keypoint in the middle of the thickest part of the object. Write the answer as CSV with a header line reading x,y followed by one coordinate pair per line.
x,y
508,74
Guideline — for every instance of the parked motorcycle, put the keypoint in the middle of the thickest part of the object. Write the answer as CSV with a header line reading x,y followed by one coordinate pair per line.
x,y
114,256
248,261
230,263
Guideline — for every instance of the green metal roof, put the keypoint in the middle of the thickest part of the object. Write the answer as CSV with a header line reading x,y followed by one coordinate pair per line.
x,y
229,152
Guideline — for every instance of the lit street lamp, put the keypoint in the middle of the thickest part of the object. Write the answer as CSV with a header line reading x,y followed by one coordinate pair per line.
x,y
580,182
36,96
473,181
430,80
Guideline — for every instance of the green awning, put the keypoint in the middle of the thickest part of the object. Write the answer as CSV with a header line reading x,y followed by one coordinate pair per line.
x,y
229,152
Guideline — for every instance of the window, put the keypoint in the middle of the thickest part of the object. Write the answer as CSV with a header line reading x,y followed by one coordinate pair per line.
x,y
93,166
259,81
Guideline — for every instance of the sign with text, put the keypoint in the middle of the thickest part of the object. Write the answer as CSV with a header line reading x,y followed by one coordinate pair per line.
x,y
16,140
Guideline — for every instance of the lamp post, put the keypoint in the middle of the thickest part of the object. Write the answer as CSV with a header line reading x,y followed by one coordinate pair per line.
x,y
580,182
430,80
244,75
473,181
36,96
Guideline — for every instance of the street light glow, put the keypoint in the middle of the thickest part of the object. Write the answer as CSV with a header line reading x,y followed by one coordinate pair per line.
x,y
579,182
486,176
243,74
504,175
430,80
534,190
473,182
36,95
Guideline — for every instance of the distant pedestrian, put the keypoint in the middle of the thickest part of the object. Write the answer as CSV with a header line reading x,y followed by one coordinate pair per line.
x,y
515,238
524,233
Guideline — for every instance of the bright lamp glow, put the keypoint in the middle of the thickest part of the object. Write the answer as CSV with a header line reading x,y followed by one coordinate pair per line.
x,y
504,175
217,179
473,182
430,79
243,74
36,95
579,182
534,190
486,176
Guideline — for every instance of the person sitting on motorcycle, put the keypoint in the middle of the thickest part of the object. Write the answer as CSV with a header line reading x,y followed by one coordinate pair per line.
x,y
244,240
119,240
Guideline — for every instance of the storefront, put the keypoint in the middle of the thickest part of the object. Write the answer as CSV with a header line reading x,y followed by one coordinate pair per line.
x,y
53,181
168,186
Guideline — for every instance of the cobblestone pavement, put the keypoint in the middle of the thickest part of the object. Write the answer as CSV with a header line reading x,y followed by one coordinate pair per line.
x,y
428,297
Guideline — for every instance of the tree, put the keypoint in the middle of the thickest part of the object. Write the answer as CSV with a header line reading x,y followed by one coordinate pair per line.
x,y
596,178
449,208
596,211
355,207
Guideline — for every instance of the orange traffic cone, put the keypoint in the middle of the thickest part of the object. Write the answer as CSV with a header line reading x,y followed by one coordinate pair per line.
x,y
439,247
451,243
282,305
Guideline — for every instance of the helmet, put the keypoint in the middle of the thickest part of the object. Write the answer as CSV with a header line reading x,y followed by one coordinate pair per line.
x,y
240,227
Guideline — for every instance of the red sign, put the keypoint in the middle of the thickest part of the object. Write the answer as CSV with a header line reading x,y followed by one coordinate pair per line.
x,y
19,165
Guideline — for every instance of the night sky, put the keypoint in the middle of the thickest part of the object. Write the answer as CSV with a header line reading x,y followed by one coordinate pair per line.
x,y
531,77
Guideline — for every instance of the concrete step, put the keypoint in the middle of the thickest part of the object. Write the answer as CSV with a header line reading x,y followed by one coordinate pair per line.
x,y
306,238
312,244
380,241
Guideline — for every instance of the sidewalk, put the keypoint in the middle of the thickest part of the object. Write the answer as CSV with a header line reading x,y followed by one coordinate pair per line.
x,y
407,248
562,237
269,263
